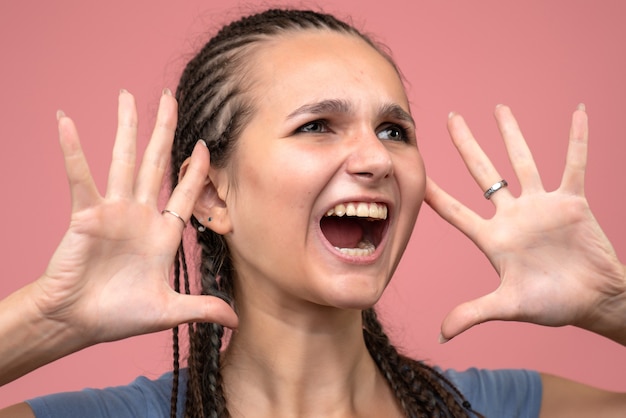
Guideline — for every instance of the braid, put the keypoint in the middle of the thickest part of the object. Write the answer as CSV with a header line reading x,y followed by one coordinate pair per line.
x,y
206,344
421,390
214,106
176,348
194,406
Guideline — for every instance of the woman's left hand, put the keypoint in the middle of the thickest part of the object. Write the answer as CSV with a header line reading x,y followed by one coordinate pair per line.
x,y
556,265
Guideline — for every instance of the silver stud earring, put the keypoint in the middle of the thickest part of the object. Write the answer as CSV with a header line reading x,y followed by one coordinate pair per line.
x,y
202,228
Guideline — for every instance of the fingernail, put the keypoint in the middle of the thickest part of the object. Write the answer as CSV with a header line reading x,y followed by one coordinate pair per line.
x,y
167,92
499,105
60,114
203,142
442,339
451,114
581,106
122,91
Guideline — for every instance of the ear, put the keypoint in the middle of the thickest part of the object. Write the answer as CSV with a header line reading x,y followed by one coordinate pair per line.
x,y
210,209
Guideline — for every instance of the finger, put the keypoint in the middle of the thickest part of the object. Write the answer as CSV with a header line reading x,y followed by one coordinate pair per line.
x,y
82,187
519,154
196,308
573,180
157,155
452,210
186,193
122,169
477,162
469,314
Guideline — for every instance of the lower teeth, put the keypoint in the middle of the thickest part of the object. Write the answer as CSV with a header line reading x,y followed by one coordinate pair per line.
x,y
364,248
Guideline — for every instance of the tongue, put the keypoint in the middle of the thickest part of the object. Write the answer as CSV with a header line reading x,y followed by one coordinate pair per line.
x,y
342,232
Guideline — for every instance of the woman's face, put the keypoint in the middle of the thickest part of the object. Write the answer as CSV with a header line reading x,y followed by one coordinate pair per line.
x,y
327,177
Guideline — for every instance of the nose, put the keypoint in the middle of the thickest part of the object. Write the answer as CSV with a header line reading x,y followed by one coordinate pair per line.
x,y
369,158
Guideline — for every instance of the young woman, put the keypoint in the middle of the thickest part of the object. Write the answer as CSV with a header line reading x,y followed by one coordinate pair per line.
x,y
302,214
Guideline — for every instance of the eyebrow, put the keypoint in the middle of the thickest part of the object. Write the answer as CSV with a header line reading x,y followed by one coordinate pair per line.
x,y
341,106
324,106
396,112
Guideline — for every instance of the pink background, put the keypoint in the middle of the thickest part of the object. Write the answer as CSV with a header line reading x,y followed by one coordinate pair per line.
x,y
541,58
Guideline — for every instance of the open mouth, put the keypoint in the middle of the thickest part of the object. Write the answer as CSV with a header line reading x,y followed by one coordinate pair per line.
x,y
355,228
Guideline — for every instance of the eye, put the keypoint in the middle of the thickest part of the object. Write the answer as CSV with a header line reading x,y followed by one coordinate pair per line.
x,y
314,127
393,132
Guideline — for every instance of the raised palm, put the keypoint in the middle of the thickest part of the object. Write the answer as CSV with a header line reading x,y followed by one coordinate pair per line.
x,y
556,265
109,277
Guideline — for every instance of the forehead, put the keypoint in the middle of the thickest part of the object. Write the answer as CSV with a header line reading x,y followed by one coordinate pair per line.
x,y
298,67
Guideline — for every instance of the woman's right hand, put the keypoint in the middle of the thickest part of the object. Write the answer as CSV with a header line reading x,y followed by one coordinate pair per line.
x,y
109,277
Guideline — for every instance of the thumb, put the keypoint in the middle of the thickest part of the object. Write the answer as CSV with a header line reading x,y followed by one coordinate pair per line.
x,y
201,308
464,316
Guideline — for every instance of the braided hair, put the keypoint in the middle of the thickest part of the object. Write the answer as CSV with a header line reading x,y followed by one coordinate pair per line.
x,y
213,105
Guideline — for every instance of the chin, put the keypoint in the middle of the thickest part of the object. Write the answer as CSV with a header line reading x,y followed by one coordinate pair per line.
x,y
355,298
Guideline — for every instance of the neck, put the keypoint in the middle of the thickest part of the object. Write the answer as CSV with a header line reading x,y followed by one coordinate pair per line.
x,y
303,364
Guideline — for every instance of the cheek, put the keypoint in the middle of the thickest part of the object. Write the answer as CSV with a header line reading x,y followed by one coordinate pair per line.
x,y
412,179
272,188
412,183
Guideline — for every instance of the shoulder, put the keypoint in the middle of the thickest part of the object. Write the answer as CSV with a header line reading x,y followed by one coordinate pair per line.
x,y
142,397
500,393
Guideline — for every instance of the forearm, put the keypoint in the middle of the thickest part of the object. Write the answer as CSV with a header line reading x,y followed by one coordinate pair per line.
x,y
566,398
27,339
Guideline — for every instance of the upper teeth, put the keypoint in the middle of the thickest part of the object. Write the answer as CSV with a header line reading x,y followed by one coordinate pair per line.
x,y
359,209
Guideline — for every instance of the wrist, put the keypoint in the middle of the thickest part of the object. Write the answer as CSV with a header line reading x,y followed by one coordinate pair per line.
x,y
609,319
30,339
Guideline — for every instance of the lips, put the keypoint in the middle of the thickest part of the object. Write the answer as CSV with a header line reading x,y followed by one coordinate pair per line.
x,y
355,228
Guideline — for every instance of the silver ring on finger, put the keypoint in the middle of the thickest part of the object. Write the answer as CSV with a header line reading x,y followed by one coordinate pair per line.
x,y
171,212
499,185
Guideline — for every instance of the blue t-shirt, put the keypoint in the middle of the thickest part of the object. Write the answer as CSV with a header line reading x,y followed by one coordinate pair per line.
x,y
503,393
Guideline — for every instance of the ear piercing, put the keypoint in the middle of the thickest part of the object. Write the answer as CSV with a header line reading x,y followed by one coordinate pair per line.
x,y
202,228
